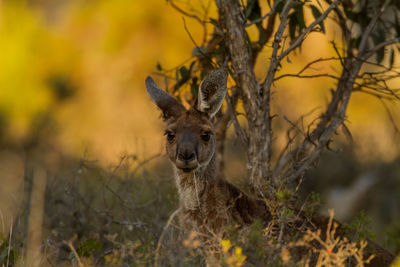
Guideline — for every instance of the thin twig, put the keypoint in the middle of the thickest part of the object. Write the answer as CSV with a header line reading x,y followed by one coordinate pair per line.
x,y
112,174
2,221
298,129
157,252
308,65
266,85
274,62
321,75
9,244
396,128
144,162
238,129
272,11
71,247
368,30
194,42
299,39
137,224
180,10
379,46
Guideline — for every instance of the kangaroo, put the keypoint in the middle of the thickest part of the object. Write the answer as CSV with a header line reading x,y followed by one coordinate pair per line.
x,y
207,201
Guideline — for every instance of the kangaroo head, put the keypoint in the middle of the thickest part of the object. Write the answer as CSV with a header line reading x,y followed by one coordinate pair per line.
x,y
190,133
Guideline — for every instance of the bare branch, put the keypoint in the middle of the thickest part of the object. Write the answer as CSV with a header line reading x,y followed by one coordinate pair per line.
x,y
230,13
194,42
395,127
242,63
185,13
159,243
379,65
238,129
368,30
266,86
379,46
323,75
223,125
299,39
346,33
314,62
202,22
305,154
294,126
307,66
274,62
71,247
271,12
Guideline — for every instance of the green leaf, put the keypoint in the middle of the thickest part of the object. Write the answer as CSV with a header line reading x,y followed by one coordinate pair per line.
x,y
253,10
279,195
191,66
347,133
316,13
262,34
380,54
194,88
249,7
86,248
350,14
397,24
279,7
213,21
292,26
184,73
199,51
300,17
391,60
356,42
287,213
178,81
377,39
177,76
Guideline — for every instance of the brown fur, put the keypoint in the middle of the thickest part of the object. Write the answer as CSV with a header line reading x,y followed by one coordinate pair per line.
x,y
208,203
207,200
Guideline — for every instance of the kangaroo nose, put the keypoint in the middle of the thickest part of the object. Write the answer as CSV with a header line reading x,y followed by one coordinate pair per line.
x,y
186,156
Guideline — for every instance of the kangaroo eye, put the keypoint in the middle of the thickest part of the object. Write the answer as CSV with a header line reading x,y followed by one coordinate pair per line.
x,y
206,136
170,136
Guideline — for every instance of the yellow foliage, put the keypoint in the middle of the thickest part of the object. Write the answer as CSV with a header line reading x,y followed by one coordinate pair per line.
x,y
233,258
226,245
334,251
22,65
396,262
192,241
107,48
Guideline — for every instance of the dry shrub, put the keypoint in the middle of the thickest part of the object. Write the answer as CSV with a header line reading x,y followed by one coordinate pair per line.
x,y
260,245
332,249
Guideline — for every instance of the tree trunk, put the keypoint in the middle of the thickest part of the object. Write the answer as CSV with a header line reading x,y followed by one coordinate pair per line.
x,y
258,152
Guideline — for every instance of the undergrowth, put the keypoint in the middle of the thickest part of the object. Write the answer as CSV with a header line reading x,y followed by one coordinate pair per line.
x,y
124,216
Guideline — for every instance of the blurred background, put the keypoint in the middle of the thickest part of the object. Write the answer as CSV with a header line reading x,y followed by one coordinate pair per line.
x,y
81,144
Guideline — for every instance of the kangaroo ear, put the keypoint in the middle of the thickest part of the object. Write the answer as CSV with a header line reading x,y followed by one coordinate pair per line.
x,y
212,92
167,103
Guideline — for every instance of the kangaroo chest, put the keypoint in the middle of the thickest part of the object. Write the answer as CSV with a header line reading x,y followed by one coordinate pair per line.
x,y
203,203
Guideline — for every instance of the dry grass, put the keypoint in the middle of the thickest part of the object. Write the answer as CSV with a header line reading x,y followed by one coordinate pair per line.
x,y
332,249
260,244
125,216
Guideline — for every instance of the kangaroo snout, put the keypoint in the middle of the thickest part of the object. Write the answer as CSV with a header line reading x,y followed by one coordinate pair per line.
x,y
186,160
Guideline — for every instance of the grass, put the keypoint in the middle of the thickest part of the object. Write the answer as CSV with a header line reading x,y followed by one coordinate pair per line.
x,y
125,216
